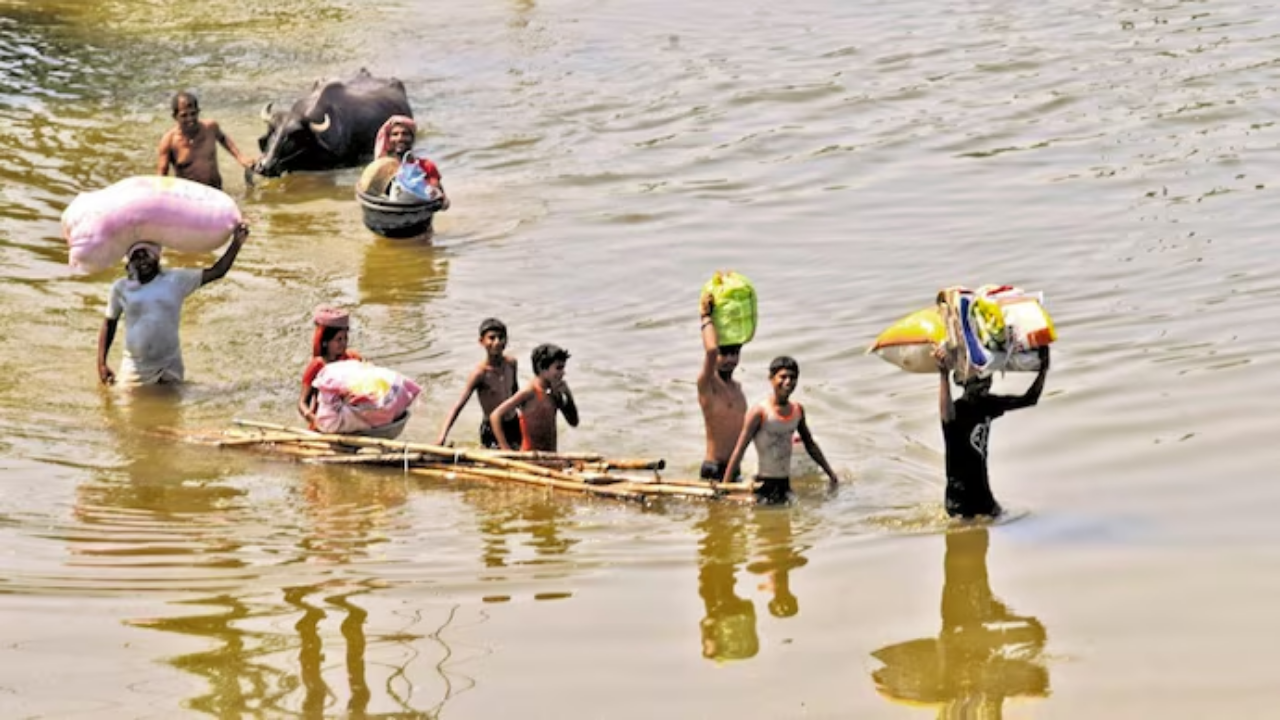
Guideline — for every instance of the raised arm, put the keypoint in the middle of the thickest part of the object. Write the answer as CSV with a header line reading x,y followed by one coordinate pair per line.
x,y
749,430
510,404
567,406
105,336
710,343
946,407
811,446
452,417
219,269
1032,395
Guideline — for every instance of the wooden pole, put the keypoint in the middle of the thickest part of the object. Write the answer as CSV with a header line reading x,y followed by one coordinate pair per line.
x,y
479,473
476,456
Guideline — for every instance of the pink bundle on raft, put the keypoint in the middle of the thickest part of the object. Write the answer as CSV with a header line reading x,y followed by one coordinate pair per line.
x,y
355,396
187,216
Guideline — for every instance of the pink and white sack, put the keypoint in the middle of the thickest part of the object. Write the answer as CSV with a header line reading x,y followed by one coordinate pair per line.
x,y
355,396
102,225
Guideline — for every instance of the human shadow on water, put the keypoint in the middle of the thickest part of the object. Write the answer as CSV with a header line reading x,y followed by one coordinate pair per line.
x,y
729,625
778,556
504,520
761,541
984,653
253,670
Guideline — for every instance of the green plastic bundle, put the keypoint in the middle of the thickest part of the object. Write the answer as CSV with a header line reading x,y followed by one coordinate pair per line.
x,y
734,312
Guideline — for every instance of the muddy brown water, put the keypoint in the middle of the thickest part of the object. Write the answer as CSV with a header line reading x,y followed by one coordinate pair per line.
x,y
603,159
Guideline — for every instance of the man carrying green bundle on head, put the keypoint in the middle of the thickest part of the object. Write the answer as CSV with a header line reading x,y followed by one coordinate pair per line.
x,y
720,396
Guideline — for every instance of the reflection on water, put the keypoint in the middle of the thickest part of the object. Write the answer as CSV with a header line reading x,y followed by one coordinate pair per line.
x,y
408,272
984,653
257,669
544,552
729,625
778,557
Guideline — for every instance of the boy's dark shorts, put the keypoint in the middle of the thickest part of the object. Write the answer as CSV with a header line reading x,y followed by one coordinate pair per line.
x,y
510,428
773,490
712,470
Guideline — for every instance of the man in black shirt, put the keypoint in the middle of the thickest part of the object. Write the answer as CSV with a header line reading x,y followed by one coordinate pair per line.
x,y
966,427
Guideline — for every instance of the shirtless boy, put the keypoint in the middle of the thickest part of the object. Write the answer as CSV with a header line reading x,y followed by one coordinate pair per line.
x,y
495,380
190,148
771,425
539,402
719,395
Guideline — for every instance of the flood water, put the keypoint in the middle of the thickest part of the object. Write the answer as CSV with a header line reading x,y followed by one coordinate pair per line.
x,y
603,159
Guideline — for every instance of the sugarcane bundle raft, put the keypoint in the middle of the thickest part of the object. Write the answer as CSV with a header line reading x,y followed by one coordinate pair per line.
x,y
588,473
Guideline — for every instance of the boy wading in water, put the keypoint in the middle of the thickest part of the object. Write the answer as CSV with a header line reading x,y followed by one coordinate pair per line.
x,y
495,380
191,147
539,402
719,395
771,425
966,431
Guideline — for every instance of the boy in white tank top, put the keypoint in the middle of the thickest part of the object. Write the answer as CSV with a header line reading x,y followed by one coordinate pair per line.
x,y
771,424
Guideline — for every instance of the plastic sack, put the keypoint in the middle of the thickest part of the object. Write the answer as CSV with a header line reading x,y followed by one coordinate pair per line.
x,y
356,396
734,307
410,184
995,328
100,226
909,342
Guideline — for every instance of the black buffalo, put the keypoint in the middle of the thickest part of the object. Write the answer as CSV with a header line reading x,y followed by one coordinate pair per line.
x,y
333,127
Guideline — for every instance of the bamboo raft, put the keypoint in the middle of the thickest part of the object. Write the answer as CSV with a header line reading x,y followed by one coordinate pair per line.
x,y
586,473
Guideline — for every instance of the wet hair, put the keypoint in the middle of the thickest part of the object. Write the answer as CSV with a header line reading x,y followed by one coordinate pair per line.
x,y
730,349
546,355
492,324
184,95
783,362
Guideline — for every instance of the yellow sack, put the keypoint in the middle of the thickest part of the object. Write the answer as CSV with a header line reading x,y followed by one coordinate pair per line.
x,y
909,343
734,309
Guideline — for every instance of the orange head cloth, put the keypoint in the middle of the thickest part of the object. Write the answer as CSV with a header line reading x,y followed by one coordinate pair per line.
x,y
384,132
327,317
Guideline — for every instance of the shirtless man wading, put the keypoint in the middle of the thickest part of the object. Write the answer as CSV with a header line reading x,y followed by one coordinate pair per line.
x,y
190,148
720,396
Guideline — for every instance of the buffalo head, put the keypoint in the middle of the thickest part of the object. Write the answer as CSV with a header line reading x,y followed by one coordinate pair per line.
x,y
333,127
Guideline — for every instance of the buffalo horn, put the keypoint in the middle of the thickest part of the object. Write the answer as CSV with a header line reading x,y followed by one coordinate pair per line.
x,y
322,125
266,112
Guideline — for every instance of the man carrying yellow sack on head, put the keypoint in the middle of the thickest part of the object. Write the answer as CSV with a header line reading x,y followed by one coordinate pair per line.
x,y
966,433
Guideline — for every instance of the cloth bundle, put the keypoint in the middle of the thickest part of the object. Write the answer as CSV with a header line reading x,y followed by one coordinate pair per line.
x,y
100,226
994,328
355,396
